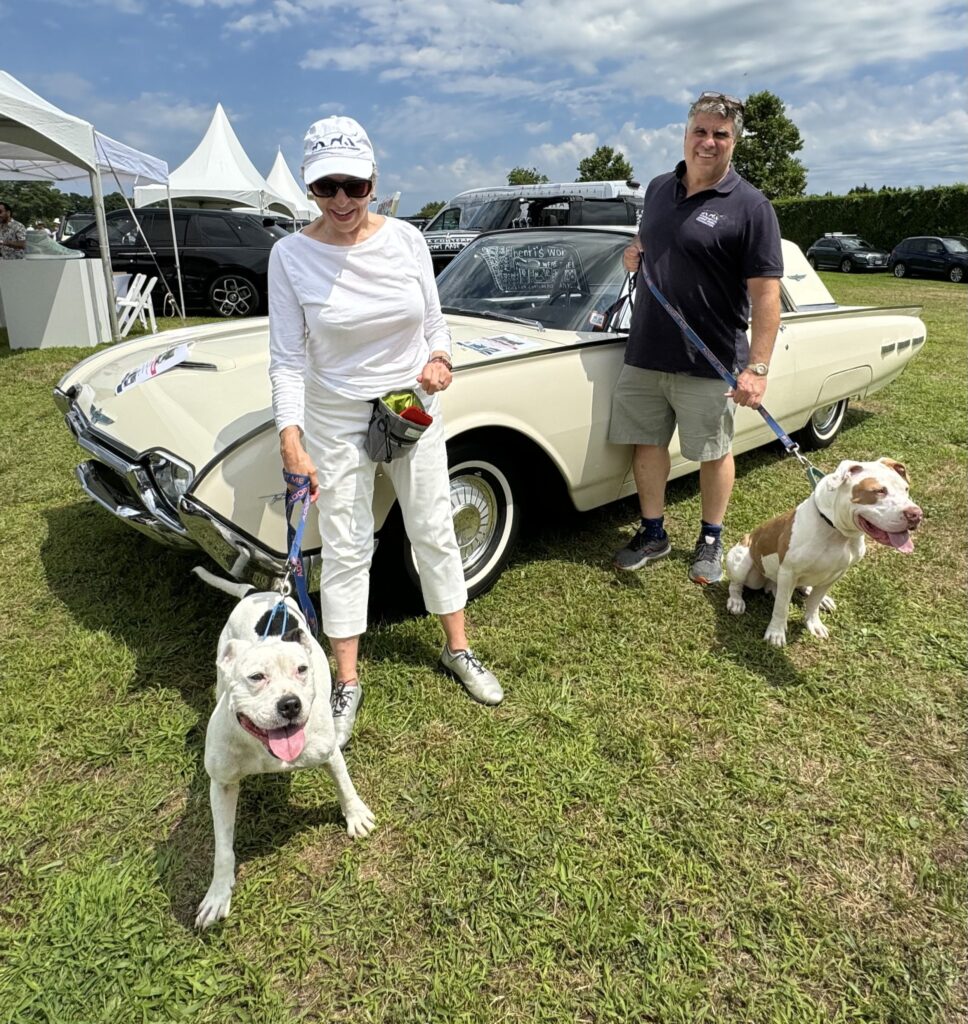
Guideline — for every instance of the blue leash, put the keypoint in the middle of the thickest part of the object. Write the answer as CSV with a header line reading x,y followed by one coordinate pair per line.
x,y
297,486
814,475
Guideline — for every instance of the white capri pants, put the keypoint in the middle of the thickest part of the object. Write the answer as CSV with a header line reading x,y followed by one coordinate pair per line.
x,y
335,432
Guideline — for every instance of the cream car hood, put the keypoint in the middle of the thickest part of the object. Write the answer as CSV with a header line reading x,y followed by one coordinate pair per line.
x,y
194,410
221,391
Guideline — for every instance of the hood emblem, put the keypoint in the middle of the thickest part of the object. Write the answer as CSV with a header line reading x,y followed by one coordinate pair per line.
x,y
97,415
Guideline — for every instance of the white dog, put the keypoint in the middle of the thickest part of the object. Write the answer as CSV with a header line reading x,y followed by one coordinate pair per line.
x,y
272,714
812,546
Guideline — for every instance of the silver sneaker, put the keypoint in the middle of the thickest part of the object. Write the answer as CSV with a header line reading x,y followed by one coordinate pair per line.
x,y
471,674
345,701
707,561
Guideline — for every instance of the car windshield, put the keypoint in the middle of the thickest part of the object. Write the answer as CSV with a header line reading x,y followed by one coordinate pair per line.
x,y
567,280
855,243
955,243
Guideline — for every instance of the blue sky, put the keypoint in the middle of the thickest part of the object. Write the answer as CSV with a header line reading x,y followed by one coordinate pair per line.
x,y
454,93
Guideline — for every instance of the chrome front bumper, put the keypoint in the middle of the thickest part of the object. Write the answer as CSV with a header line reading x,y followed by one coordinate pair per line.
x,y
240,556
123,486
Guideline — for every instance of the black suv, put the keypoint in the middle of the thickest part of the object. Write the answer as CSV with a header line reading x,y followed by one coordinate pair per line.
x,y
224,256
936,255
846,253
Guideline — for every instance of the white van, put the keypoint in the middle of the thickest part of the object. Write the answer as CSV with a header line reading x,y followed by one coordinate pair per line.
x,y
524,206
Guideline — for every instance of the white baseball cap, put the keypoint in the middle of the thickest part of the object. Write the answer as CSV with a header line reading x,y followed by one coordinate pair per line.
x,y
336,145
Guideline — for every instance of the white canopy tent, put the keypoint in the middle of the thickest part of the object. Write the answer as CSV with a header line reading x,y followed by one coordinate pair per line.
x,y
280,179
40,142
218,173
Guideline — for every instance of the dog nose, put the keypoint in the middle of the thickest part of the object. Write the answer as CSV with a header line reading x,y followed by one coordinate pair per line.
x,y
289,707
913,515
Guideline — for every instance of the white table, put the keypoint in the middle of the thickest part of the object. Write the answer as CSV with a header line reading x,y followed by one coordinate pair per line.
x,y
49,302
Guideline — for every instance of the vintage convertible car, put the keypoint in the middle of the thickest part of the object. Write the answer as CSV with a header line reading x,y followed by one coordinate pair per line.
x,y
180,433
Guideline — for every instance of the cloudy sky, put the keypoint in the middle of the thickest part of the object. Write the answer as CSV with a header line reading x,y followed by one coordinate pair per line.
x,y
454,93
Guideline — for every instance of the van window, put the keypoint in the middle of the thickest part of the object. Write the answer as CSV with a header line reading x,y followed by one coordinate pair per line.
x,y
446,220
488,216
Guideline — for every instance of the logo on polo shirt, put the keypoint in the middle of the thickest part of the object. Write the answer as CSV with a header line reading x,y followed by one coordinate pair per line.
x,y
708,218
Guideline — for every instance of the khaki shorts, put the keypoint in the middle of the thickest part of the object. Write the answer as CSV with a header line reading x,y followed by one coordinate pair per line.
x,y
647,407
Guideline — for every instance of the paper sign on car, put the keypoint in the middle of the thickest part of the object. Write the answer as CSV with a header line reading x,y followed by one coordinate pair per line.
x,y
168,359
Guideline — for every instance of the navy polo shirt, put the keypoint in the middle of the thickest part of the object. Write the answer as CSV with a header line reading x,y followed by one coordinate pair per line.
x,y
699,252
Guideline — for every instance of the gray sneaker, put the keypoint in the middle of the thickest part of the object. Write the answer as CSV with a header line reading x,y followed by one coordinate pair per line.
x,y
707,560
471,674
345,701
638,551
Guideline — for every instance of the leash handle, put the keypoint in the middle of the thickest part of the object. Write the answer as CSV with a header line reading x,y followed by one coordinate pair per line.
x,y
297,487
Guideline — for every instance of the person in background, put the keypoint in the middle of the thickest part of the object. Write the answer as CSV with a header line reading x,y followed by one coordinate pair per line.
x,y
354,315
13,235
710,242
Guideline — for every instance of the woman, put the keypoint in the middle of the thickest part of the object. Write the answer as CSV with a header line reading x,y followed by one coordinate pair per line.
x,y
353,316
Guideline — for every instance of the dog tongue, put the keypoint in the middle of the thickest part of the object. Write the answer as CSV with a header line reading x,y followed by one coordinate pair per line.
x,y
287,743
901,542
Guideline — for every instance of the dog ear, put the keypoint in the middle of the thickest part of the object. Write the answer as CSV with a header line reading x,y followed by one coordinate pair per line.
x,y
294,636
898,468
229,654
844,472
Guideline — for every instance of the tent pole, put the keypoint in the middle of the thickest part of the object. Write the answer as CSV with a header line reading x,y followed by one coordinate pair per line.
x,y
102,233
174,242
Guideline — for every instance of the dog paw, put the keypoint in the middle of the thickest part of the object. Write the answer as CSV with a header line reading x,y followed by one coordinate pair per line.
x,y
215,906
359,820
818,628
736,605
828,604
775,637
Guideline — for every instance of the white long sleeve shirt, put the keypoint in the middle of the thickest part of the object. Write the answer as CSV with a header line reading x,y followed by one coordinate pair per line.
x,y
359,319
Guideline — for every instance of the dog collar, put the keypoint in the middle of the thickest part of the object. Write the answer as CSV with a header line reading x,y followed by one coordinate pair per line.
x,y
822,516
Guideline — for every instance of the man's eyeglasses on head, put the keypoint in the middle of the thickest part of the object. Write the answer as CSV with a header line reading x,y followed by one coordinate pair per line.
x,y
721,97
355,188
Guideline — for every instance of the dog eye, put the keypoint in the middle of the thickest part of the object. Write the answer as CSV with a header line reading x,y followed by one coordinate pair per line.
x,y
302,669
257,677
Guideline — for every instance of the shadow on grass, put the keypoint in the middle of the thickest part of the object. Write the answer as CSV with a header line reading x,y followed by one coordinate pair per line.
x,y
740,637
266,820
113,578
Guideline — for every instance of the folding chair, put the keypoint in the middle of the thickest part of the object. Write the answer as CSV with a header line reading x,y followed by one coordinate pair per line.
x,y
136,305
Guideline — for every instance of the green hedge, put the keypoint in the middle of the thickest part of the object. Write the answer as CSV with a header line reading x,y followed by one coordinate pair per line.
x,y
883,218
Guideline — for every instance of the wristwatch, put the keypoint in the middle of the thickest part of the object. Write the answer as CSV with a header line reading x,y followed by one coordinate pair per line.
x,y
760,369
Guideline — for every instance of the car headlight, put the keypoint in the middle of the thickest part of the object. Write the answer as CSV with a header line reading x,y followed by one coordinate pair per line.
x,y
172,476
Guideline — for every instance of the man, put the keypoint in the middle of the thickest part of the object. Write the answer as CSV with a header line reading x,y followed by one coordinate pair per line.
x,y
13,235
711,244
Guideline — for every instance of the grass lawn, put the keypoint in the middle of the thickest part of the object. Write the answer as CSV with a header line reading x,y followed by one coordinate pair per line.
x,y
666,821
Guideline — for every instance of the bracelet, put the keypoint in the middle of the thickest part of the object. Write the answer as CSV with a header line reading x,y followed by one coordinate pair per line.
x,y
444,360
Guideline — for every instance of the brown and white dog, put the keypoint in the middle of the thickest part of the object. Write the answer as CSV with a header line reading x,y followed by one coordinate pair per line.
x,y
812,546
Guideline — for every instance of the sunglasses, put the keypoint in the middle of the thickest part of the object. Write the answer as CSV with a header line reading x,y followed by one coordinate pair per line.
x,y
732,101
355,188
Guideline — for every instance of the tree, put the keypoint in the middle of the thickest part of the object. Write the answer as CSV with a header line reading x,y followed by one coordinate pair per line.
x,y
605,164
429,210
526,176
33,201
861,190
764,155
